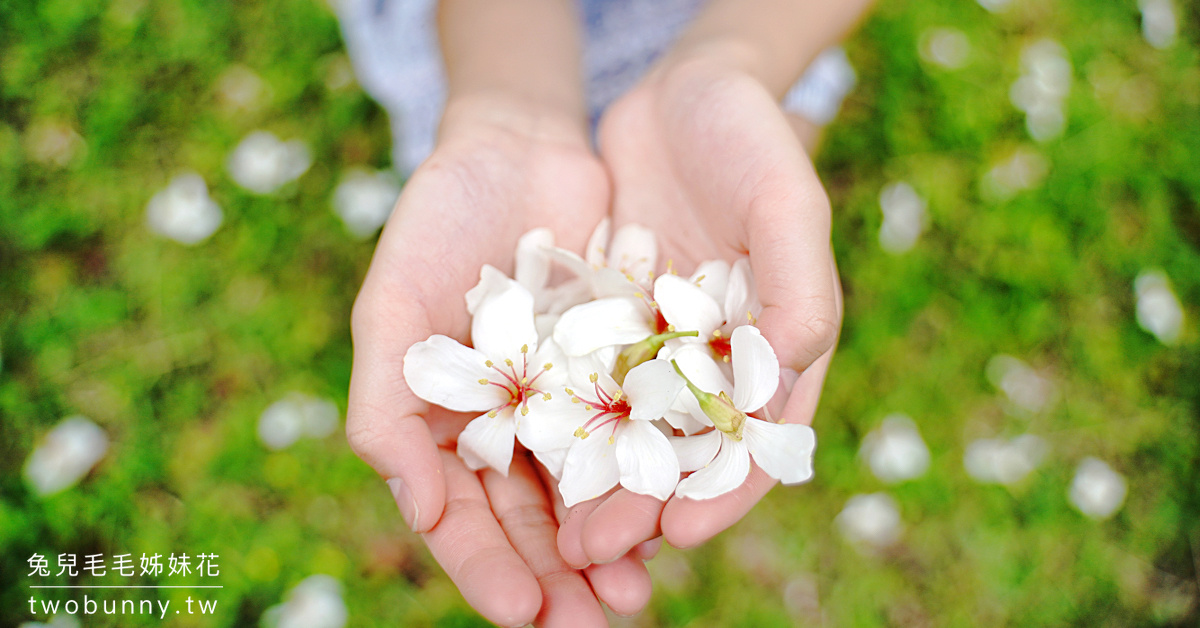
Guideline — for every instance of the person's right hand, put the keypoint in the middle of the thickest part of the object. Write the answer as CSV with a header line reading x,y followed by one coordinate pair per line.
x,y
498,171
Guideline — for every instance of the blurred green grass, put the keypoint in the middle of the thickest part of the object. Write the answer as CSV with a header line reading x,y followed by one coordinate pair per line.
x,y
175,351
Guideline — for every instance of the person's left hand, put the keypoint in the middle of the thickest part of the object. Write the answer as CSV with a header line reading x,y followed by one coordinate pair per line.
x,y
703,155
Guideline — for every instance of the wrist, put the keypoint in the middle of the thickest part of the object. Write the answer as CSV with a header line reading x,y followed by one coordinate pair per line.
x,y
504,114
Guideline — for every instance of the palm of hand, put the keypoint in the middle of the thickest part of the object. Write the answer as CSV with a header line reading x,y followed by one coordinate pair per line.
x,y
467,206
707,160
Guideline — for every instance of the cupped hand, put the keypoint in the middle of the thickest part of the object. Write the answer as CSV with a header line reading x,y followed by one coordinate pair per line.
x,y
499,170
703,154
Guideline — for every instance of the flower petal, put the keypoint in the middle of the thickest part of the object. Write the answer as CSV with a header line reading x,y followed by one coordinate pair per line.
x,y
697,451
726,472
503,323
741,297
647,462
491,281
712,277
589,470
442,371
549,424
683,421
755,369
488,441
651,388
553,460
634,251
597,243
784,451
602,323
686,306
532,268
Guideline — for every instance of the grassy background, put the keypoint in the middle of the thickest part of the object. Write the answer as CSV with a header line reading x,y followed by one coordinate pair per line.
x,y
175,351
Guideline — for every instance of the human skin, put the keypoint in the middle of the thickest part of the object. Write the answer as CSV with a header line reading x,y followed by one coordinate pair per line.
x,y
513,151
701,152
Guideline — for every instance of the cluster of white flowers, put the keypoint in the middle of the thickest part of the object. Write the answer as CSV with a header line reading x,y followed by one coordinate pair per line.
x,y
615,375
1042,89
314,603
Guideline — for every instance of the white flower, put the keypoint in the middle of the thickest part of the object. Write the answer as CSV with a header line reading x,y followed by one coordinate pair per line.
x,y
504,375
1023,170
1159,23
721,458
364,200
872,519
895,451
997,461
947,47
1097,491
262,163
294,416
714,301
183,210
903,217
314,603
1042,88
617,441
68,452
619,267
241,91
1158,309
1028,392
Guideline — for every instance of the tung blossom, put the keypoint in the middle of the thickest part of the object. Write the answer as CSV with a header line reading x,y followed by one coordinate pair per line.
x,y
721,458
616,439
502,376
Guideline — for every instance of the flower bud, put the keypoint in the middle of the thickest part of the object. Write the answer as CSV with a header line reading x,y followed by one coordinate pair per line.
x,y
644,351
718,408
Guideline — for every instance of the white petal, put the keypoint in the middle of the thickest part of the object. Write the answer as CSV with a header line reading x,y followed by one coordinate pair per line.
x,y
488,441
577,265
581,367
726,472
442,371
686,306
651,388
699,367
696,451
740,294
553,460
712,277
597,243
503,323
647,462
602,323
683,421
755,369
532,267
784,451
550,424
589,470
610,282
634,250
491,281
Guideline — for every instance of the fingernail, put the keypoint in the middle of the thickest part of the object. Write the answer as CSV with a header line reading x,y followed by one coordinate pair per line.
x,y
405,502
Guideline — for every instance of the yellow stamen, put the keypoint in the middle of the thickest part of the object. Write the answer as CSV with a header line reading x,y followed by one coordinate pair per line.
x,y
699,279
524,410
617,395
580,433
750,317
716,333
507,362
524,348
546,397
483,381
547,366
489,364
725,358
569,391
492,414
587,406
612,439
594,377
524,381
670,329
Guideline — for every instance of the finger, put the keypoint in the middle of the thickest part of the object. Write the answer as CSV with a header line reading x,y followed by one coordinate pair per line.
x,y
383,422
524,513
619,524
570,532
648,549
624,584
788,233
689,522
470,545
